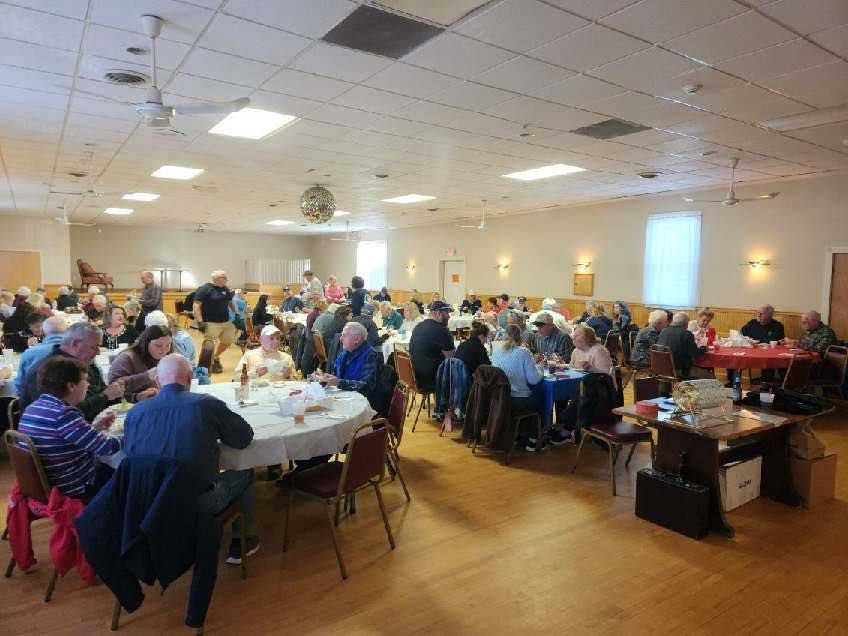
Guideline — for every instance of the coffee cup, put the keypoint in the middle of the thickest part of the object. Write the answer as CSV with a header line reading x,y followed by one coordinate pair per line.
x,y
772,344
766,398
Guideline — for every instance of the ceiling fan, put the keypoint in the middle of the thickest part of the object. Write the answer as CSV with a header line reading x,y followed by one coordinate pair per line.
x,y
347,236
155,112
64,220
731,194
482,225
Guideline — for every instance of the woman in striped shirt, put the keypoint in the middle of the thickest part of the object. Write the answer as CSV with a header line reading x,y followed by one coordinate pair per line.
x,y
66,443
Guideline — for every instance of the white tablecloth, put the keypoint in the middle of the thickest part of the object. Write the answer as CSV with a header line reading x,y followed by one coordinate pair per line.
x,y
70,318
297,318
460,322
389,345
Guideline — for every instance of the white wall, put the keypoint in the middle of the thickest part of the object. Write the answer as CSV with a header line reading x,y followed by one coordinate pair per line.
x,y
793,231
40,235
125,251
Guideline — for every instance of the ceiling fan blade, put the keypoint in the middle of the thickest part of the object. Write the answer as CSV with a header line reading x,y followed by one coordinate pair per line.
x,y
205,108
762,197
690,200
80,224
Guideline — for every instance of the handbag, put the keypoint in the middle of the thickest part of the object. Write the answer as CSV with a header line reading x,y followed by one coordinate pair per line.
x,y
799,403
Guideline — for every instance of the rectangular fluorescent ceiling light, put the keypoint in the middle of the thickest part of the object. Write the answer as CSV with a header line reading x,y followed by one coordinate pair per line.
x,y
556,170
409,198
251,123
118,211
140,196
280,222
340,213
177,172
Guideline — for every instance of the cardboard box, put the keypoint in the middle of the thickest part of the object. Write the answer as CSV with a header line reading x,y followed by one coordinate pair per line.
x,y
739,482
814,479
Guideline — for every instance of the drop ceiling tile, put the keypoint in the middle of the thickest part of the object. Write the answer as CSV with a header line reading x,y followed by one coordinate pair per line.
x,y
528,110
520,25
808,16
69,8
587,48
38,57
287,104
340,63
661,20
523,74
373,100
472,96
35,80
593,9
578,90
227,68
251,40
781,59
306,85
710,80
835,39
822,86
204,89
730,38
751,103
36,27
37,98
646,70
439,12
183,22
410,80
457,55
112,44
311,19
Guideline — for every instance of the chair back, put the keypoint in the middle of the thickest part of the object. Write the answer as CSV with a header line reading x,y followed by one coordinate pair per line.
x,y
13,413
613,344
405,370
85,269
179,306
646,388
250,330
662,362
835,364
207,352
598,398
320,349
29,472
366,456
397,411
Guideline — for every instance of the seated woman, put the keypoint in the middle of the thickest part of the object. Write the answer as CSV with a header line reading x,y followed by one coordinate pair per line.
x,y
383,296
261,317
590,307
411,317
435,297
415,297
137,365
96,310
117,331
132,310
181,340
700,327
599,321
17,322
621,317
29,337
473,351
589,354
496,332
267,361
521,371
40,305
357,367
333,292
65,441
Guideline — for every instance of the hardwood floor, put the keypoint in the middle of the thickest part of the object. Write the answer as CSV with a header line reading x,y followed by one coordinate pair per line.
x,y
483,548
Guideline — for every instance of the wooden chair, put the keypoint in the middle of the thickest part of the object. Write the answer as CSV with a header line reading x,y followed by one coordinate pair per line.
x,y
320,349
834,366
183,317
662,364
13,413
613,344
89,277
797,376
32,482
228,516
252,341
615,433
406,374
395,420
364,466
207,353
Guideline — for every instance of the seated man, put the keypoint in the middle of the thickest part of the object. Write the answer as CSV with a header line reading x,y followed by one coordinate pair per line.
x,y
551,307
817,336
357,367
391,318
366,319
291,303
681,341
548,339
31,336
431,342
267,360
647,337
471,305
65,299
54,330
764,328
187,427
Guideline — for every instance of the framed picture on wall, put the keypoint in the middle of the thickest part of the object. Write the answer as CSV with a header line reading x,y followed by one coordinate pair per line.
x,y
584,284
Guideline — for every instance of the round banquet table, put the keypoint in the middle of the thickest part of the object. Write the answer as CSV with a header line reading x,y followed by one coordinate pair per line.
x,y
460,322
293,317
753,358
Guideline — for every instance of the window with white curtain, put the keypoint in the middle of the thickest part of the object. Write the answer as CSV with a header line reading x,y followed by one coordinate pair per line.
x,y
264,271
672,259
371,263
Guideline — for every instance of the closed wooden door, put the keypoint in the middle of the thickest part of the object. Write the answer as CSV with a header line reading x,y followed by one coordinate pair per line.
x,y
839,296
20,268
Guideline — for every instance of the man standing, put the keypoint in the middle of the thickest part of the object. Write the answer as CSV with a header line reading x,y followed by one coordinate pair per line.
x,y
187,427
431,342
80,341
54,330
313,289
764,327
291,303
212,304
151,299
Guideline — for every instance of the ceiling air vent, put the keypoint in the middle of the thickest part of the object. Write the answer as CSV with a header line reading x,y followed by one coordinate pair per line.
x,y
125,77
610,129
373,30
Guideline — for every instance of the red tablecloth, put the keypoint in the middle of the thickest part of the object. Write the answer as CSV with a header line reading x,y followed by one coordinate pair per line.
x,y
742,358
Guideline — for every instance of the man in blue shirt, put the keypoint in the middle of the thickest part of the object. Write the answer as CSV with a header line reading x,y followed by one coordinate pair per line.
x,y
54,330
187,426
358,367
291,303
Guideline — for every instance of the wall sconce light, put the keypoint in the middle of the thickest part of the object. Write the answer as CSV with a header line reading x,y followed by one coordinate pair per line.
x,y
756,264
502,266
584,265
410,268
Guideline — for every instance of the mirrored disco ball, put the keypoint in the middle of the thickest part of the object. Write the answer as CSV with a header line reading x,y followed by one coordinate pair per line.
x,y
317,204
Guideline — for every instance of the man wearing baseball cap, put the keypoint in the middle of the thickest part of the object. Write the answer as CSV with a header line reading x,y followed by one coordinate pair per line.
x,y
267,361
431,342
550,340
471,305
291,303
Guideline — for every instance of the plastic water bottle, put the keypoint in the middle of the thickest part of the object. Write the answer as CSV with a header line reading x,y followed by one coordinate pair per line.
x,y
736,393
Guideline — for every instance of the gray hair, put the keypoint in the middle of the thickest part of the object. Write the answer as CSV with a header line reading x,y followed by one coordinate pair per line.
x,y
54,325
62,291
549,303
768,308
99,299
217,273
814,315
358,328
680,319
385,305
656,317
81,330
156,317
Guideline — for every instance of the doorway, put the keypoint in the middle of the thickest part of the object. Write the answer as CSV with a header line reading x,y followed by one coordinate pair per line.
x,y
452,279
838,306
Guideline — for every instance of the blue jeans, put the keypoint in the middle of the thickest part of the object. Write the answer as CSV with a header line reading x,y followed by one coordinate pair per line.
x,y
232,485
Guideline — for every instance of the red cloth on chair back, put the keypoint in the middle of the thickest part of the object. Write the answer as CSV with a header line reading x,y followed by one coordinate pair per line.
x,y
64,542
21,513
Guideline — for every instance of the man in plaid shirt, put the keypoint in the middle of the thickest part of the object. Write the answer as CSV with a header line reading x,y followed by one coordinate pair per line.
x,y
817,335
